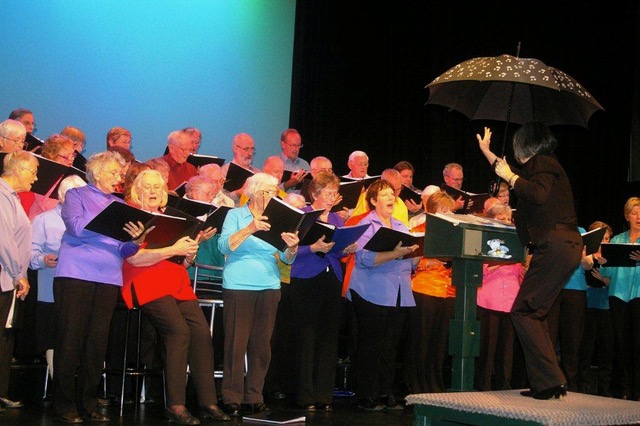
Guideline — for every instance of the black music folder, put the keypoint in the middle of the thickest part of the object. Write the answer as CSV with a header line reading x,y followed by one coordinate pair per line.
x,y
618,254
286,175
191,207
199,160
350,192
285,218
410,194
111,220
365,181
478,199
592,239
236,176
342,236
50,174
216,218
386,239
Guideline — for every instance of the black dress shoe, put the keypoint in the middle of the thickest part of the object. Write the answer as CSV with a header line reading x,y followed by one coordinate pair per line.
x,y
254,408
7,403
321,406
214,412
370,404
556,392
277,395
305,407
104,402
232,409
70,417
183,418
96,416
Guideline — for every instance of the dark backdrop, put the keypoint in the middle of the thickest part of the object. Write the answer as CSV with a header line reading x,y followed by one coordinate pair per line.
x,y
360,73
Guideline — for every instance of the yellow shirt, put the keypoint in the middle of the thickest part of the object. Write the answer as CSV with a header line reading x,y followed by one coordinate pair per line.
x,y
400,211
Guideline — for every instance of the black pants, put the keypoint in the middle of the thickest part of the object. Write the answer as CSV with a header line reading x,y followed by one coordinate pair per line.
x,y
6,342
625,317
280,375
379,332
83,314
316,306
497,343
249,317
597,345
566,327
185,337
554,260
430,320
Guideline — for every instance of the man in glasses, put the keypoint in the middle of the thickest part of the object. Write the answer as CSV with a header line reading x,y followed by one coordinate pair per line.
x,y
180,146
291,143
244,151
12,136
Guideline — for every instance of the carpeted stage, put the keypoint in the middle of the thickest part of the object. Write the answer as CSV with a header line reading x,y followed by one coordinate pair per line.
x,y
498,408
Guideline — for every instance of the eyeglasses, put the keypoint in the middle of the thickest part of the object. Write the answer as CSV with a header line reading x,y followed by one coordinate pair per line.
x,y
330,195
459,180
184,149
291,145
270,192
247,149
20,142
29,170
70,157
116,175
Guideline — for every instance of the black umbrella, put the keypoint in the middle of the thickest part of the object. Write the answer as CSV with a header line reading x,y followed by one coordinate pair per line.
x,y
514,90
481,89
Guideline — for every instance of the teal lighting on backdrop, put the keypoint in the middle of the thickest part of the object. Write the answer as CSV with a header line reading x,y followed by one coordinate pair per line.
x,y
152,67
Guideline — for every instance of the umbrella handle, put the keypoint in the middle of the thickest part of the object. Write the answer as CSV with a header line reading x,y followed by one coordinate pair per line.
x,y
494,186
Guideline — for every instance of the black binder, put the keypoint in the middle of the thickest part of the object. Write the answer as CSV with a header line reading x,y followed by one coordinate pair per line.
x,y
191,207
618,254
350,192
410,194
592,239
236,177
386,239
478,199
199,160
50,174
285,218
342,236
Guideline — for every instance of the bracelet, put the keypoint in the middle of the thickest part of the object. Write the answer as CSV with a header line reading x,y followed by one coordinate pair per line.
x,y
510,179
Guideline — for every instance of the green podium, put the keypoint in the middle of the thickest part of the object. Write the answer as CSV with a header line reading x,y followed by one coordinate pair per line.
x,y
468,241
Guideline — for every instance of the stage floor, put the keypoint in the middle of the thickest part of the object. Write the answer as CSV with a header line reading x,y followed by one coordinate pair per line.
x,y
510,408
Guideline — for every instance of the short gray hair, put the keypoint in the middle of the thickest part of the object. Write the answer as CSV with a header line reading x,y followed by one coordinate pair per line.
x,y
73,181
257,181
12,129
16,160
97,162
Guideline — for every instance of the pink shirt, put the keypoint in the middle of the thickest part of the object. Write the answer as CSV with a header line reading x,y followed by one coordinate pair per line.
x,y
500,285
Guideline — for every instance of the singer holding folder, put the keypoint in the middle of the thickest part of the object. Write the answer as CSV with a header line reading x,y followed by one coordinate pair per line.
x,y
316,284
251,292
162,290
380,289
85,289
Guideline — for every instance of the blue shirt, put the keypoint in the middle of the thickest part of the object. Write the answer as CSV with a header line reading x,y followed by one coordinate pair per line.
x,y
87,255
252,265
309,264
625,281
295,165
380,284
48,228
577,280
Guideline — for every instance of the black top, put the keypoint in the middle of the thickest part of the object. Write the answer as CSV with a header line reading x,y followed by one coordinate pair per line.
x,y
545,199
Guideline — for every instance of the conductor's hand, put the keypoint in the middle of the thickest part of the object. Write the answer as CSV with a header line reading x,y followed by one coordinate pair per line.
x,y
502,169
484,142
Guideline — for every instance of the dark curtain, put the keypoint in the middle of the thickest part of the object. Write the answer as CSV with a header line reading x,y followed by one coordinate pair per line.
x,y
360,72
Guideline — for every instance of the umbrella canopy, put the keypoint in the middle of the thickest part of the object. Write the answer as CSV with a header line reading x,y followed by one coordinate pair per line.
x,y
487,88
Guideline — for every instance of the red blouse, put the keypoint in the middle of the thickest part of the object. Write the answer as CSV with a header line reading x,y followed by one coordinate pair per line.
x,y
153,282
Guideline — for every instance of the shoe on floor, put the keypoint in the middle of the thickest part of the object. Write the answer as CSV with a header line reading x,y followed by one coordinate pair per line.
x,y
232,409
306,407
183,418
214,412
392,404
370,404
255,408
321,406
70,417
96,416
7,403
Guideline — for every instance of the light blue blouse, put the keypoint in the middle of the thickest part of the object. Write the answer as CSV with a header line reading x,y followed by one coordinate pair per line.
x,y
252,265
48,228
625,281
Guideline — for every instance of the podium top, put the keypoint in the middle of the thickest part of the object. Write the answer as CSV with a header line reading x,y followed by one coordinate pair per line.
x,y
464,236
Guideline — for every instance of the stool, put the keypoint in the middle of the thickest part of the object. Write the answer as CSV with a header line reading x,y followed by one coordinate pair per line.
x,y
138,370
207,286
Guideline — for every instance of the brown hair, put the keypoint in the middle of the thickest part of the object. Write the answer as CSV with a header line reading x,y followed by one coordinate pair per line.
x,y
374,189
